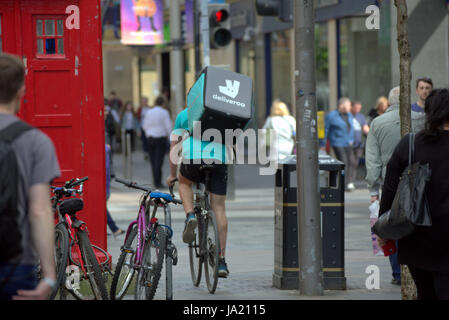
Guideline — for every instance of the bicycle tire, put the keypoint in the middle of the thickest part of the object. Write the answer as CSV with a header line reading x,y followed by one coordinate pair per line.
x,y
212,251
150,272
61,257
195,257
118,291
93,270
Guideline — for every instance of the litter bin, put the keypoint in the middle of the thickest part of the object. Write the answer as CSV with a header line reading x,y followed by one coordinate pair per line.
x,y
286,261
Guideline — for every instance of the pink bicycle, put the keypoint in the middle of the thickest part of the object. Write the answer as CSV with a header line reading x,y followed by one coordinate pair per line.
x,y
146,243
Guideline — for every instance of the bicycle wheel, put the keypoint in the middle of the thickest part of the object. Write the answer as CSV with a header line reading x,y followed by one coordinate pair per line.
x,y
151,268
211,252
124,271
61,253
93,270
195,257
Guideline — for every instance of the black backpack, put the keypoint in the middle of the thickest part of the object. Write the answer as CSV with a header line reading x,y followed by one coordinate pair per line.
x,y
10,235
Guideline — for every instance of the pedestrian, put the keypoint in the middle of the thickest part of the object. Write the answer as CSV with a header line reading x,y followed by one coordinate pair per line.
x,y
361,129
423,88
29,207
109,133
339,130
283,126
141,112
426,251
380,108
116,231
129,122
383,136
157,126
114,102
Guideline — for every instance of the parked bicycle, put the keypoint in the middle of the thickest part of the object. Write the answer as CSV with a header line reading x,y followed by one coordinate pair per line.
x,y
205,249
146,243
73,247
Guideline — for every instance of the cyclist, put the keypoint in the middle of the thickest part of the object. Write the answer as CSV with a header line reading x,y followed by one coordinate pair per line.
x,y
194,154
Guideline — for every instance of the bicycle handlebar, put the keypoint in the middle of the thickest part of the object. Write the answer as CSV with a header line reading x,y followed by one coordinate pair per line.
x,y
79,181
132,185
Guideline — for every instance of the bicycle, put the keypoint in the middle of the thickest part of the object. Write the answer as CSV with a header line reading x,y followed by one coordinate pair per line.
x,y
146,243
204,250
73,249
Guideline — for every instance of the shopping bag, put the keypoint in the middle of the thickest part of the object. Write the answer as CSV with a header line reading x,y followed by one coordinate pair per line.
x,y
373,216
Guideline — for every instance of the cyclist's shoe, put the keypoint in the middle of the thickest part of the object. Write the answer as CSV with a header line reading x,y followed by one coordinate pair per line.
x,y
189,230
223,271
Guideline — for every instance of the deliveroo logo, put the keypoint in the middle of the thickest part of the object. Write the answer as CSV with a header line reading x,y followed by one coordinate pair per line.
x,y
232,88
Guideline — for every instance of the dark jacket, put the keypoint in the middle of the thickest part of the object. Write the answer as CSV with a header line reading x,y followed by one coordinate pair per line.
x,y
428,247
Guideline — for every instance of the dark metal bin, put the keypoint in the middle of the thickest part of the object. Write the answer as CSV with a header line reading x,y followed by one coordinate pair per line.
x,y
286,262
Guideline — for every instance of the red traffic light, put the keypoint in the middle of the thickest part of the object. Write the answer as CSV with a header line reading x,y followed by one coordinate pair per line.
x,y
220,15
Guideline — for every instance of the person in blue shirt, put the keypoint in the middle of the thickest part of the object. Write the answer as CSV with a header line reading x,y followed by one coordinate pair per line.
x,y
196,149
361,129
339,130
423,88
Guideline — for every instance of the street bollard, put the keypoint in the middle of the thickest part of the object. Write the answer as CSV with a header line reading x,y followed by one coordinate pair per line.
x,y
286,260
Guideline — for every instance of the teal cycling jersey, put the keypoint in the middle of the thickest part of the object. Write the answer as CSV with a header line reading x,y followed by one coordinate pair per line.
x,y
194,148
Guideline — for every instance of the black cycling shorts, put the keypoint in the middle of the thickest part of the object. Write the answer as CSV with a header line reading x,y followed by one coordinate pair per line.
x,y
218,176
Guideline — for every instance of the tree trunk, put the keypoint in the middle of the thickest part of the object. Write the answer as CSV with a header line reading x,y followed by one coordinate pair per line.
x,y
408,288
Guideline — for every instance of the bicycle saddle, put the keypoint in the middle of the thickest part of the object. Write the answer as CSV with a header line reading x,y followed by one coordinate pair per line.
x,y
161,195
71,206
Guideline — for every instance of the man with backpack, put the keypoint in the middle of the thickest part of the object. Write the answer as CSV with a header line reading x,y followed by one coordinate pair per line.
x,y
28,164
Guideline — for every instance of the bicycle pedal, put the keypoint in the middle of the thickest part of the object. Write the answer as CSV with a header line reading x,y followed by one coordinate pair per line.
x,y
172,252
127,250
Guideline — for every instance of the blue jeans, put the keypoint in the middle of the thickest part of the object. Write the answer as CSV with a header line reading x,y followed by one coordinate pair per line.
x,y
395,266
23,278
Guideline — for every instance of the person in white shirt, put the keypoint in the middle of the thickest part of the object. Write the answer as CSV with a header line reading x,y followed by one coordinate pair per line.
x,y
284,126
157,126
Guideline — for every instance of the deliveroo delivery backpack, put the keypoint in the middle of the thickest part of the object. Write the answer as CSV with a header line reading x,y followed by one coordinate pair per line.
x,y
220,99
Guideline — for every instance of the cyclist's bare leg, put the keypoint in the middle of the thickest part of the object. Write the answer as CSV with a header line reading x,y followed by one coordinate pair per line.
x,y
218,205
186,193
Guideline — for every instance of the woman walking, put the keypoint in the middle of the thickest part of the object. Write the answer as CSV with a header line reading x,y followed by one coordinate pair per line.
x,y
426,251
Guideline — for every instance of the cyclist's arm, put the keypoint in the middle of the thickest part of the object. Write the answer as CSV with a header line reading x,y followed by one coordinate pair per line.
x,y
42,235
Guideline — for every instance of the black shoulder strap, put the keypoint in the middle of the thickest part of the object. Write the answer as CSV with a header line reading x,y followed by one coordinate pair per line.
x,y
13,131
411,148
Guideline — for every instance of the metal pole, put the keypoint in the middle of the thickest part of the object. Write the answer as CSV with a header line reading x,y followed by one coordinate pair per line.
x,y
125,160
309,221
205,32
129,156
168,259
176,58
197,36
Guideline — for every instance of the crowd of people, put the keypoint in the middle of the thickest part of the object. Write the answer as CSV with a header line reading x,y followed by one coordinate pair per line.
x,y
31,164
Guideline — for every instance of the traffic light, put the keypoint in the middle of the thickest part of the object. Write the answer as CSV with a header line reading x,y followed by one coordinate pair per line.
x,y
219,25
283,9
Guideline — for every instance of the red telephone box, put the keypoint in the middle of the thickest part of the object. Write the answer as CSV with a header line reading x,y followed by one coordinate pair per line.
x,y
64,88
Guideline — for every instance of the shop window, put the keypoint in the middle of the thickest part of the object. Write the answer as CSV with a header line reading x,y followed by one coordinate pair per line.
x,y
50,38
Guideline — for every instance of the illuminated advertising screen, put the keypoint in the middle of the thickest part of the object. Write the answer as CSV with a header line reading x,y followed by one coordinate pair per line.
x,y
142,22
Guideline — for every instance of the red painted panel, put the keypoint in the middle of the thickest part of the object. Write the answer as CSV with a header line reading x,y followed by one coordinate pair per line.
x,y
64,94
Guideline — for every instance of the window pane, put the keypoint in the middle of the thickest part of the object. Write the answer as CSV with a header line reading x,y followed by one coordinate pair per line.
x,y
39,26
50,27
50,46
60,27
40,46
61,46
